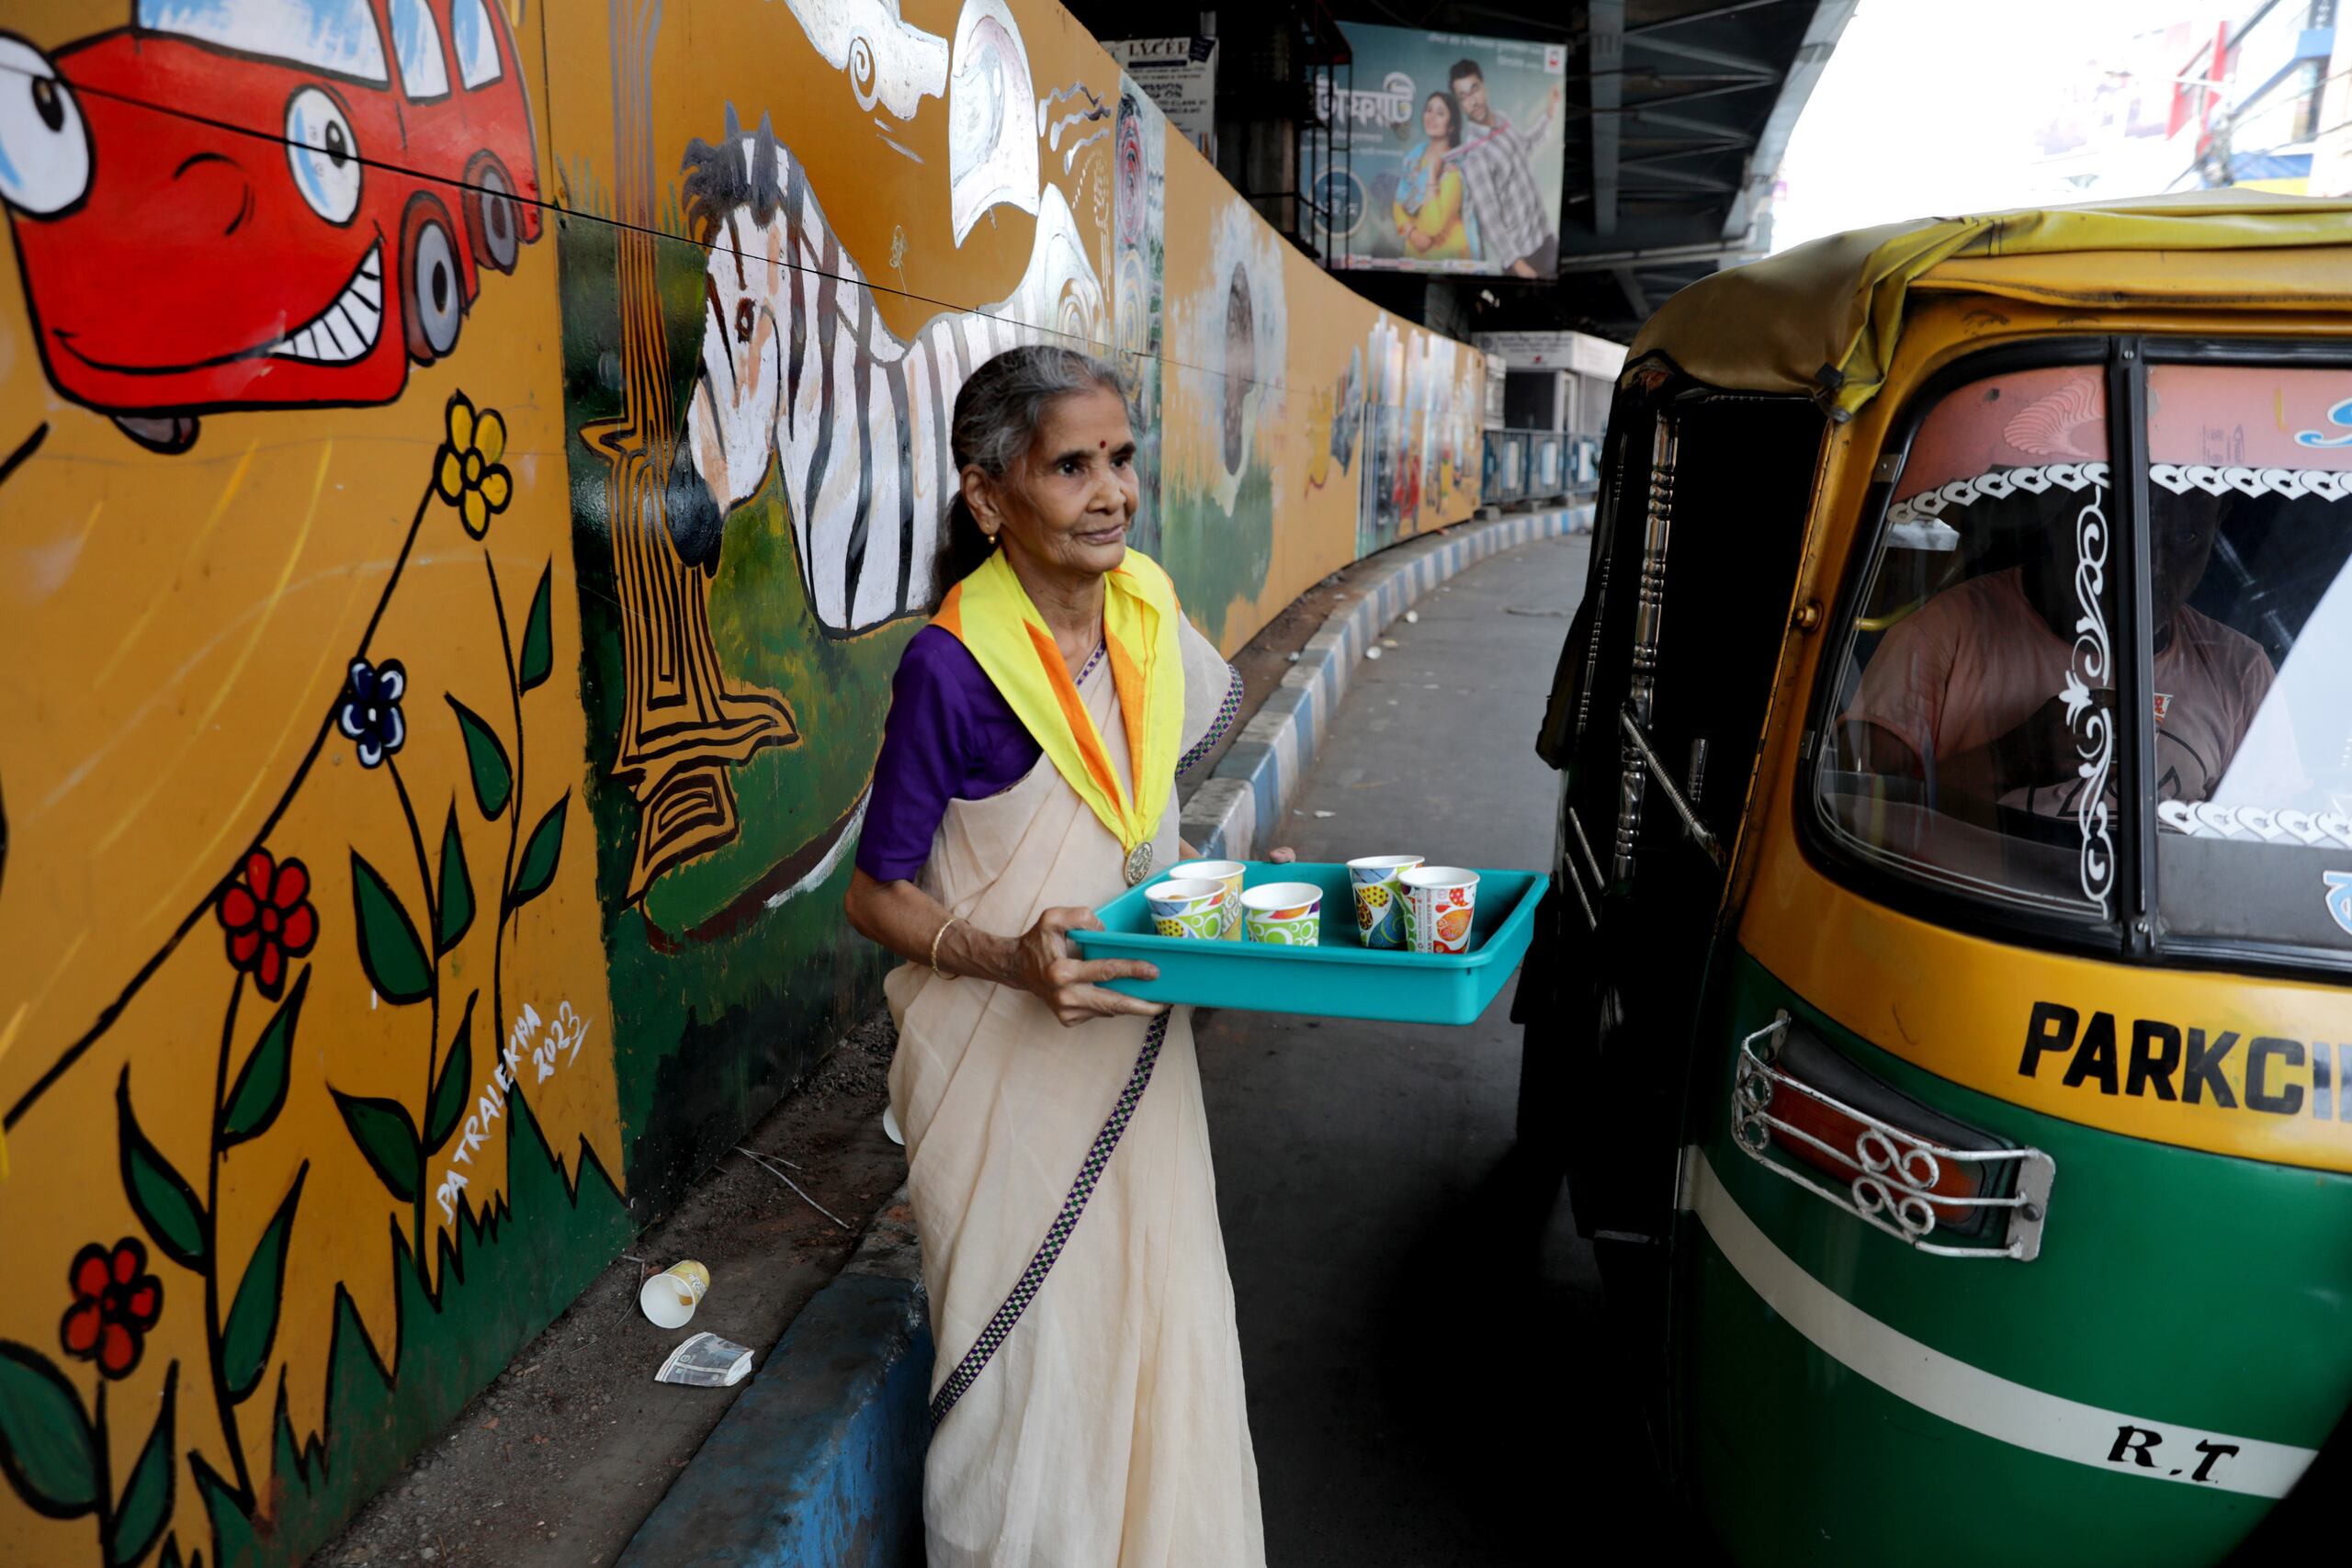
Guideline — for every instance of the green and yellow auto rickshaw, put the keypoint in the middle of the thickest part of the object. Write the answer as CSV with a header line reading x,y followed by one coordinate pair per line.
x,y
1951,1009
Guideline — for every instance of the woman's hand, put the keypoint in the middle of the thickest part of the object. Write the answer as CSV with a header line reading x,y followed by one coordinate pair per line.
x,y
1043,966
1281,856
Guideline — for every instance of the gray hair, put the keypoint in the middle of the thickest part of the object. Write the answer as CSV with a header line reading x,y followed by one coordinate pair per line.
x,y
1000,405
998,411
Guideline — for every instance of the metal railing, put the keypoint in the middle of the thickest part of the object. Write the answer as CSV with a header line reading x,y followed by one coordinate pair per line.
x,y
1539,465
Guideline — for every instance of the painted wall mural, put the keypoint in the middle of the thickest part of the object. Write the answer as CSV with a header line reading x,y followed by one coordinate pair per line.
x,y
467,472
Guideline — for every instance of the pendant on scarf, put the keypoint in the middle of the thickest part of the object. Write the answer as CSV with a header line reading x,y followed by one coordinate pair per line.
x,y
1138,862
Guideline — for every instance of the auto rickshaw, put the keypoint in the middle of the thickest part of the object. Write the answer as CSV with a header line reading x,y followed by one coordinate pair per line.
x,y
1949,1012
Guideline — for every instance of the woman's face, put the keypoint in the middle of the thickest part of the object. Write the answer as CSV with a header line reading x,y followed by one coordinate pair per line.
x,y
1064,509
1435,121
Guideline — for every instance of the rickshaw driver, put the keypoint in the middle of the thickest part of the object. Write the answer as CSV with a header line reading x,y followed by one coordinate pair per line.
x,y
1958,696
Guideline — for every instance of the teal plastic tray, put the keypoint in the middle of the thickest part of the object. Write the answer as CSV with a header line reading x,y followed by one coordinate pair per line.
x,y
1341,979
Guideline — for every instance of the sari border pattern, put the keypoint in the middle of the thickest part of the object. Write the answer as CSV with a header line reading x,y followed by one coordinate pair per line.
x,y
1000,1325
1225,715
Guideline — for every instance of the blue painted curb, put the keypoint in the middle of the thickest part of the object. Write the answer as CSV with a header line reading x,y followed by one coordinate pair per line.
x,y
820,1463
1258,777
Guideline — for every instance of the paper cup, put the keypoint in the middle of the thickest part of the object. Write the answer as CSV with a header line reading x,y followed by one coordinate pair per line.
x,y
1284,914
1380,915
670,1297
1227,874
1439,901
1186,907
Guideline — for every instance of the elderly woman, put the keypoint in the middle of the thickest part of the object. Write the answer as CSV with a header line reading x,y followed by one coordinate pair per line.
x,y
1087,1402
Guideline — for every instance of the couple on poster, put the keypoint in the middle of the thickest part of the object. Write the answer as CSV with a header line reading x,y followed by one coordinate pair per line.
x,y
1468,191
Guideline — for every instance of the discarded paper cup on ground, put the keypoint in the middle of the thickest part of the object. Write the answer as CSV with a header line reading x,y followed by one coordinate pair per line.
x,y
1439,903
1227,874
1186,907
1380,920
1284,914
670,1297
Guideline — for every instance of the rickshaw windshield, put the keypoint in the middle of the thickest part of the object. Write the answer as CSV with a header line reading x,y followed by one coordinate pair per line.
x,y
2250,473
1975,740
1968,745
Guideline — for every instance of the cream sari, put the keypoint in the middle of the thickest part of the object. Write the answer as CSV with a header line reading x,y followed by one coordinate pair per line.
x,y
1087,1393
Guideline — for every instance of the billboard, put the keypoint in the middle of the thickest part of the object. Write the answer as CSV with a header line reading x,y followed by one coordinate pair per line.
x,y
1446,155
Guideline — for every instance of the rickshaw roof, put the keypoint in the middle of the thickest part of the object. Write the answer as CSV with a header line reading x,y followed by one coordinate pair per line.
x,y
1824,318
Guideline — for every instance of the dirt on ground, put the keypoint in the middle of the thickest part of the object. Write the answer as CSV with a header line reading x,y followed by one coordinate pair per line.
x,y
556,1464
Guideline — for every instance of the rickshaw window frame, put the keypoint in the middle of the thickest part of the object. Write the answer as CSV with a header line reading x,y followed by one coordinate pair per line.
x,y
2284,960
1906,893
2134,933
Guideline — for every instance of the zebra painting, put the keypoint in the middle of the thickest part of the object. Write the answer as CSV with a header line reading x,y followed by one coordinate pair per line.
x,y
797,366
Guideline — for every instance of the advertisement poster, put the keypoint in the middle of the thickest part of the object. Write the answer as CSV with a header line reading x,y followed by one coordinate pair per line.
x,y
1446,155
1180,76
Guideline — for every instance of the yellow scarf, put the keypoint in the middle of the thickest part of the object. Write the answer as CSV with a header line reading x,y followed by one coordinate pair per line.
x,y
991,614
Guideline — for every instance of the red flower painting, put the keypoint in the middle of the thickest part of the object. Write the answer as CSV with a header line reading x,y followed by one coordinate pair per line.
x,y
116,1302
268,917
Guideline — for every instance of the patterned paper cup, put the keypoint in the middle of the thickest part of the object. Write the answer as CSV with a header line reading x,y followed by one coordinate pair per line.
x,y
1186,907
1439,900
668,1298
1380,916
1227,874
1286,914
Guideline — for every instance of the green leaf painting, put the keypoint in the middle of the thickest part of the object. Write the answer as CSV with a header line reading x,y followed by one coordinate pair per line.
x,y
390,948
536,868
260,1091
448,1106
456,889
385,1135
494,776
252,1315
539,643
46,1449
163,1201
145,1506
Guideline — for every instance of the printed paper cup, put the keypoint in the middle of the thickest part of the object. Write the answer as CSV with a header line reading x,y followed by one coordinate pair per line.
x,y
1439,900
1284,914
1186,907
670,1297
1227,874
1380,916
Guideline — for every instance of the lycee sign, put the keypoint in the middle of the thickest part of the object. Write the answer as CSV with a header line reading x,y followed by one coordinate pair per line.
x,y
1180,76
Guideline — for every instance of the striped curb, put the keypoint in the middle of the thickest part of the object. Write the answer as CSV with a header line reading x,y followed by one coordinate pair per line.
x,y
1257,779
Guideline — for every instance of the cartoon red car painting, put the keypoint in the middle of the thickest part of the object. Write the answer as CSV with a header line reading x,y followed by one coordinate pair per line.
x,y
240,204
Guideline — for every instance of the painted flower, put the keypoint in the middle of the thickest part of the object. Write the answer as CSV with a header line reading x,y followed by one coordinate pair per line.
x,y
267,915
116,1302
370,713
468,474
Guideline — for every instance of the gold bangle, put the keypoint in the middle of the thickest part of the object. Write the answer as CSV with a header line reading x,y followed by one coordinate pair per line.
x,y
952,919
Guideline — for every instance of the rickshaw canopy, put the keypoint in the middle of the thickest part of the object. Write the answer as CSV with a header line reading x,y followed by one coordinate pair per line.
x,y
1823,319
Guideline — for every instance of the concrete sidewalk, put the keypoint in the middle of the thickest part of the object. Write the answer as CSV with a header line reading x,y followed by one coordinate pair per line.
x,y
1428,1380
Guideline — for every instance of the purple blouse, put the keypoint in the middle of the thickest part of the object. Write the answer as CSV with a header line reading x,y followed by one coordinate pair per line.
x,y
950,735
